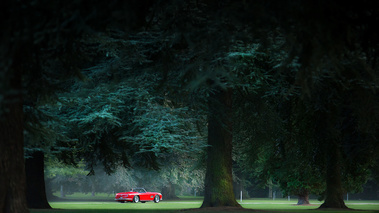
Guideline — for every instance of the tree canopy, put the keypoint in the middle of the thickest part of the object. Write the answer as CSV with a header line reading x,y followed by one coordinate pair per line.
x,y
287,84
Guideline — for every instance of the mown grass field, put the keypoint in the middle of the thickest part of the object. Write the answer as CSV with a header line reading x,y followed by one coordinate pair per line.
x,y
77,203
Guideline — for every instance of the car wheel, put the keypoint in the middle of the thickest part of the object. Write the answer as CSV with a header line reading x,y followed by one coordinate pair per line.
x,y
135,199
156,199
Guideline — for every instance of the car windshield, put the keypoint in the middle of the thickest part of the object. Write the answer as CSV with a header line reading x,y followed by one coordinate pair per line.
x,y
140,190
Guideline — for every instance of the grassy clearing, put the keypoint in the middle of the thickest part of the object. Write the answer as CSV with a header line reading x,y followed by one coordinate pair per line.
x,y
290,206
88,196
278,205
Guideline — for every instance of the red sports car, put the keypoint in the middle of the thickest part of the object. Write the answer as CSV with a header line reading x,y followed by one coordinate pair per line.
x,y
138,194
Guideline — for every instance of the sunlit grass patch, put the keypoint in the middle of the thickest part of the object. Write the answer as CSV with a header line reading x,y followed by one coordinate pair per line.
x,y
174,206
130,206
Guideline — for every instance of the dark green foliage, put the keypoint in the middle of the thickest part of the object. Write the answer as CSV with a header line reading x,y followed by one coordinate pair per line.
x,y
305,76
118,115
316,91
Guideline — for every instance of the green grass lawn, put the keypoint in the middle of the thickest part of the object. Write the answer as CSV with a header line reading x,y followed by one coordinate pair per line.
x,y
103,203
88,196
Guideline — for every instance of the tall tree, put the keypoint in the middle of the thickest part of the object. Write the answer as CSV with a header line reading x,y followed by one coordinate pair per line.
x,y
51,38
200,42
26,33
35,181
12,170
218,178
334,45
13,57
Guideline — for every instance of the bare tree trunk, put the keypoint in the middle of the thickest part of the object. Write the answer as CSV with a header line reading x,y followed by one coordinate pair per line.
x,y
35,179
334,192
218,178
12,167
303,197
93,189
62,191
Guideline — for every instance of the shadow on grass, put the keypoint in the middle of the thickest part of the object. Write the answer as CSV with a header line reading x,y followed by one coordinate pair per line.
x,y
102,210
198,211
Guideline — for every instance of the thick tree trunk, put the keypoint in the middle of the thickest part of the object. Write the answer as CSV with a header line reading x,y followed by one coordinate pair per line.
x,y
303,197
12,167
218,178
35,182
334,192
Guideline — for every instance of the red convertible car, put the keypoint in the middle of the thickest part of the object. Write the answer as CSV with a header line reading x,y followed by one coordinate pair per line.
x,y
138,194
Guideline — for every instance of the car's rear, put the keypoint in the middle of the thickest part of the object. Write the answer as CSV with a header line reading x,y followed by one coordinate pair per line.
x,y
124,197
